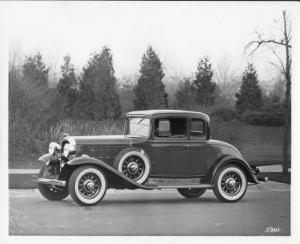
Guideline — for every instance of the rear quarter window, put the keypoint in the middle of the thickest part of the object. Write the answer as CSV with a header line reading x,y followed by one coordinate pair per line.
x,y
197,129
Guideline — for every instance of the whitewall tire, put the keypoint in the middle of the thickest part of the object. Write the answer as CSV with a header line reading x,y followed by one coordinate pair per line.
x,y
134,164
87,185
230,184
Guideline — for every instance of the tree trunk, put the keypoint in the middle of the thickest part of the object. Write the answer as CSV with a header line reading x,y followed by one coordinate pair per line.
x,y
287,126
287,105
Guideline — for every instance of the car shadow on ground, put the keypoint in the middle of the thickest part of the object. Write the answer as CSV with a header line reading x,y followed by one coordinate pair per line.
x,y
159,201
146,201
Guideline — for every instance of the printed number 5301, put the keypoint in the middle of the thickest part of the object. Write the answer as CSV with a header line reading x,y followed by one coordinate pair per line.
x,y
271,229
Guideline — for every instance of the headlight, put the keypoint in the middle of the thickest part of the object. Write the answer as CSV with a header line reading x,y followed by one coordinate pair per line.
x,y
53,146
68,149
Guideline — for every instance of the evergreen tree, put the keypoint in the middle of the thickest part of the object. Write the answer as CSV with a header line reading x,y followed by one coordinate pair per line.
x,y
166,100
203,84
249,96
185,94
66,86
150,90
35,71
99,98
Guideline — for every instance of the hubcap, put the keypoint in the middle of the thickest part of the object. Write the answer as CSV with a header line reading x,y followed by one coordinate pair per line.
x,y
89,185
231,183
133,167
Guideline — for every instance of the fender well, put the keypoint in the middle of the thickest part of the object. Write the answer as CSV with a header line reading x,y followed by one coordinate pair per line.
x,y
238,162
116,178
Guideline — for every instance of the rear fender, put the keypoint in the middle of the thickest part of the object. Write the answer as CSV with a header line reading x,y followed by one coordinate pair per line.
x,y
236,161
106,167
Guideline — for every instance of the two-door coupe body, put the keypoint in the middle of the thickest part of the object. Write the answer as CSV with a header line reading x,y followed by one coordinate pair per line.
x,y
159,149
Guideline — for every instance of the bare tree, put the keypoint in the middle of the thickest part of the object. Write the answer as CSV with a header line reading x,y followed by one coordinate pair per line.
x,y
225,75
284,64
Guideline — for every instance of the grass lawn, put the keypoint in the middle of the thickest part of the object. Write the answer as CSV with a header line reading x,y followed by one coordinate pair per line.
x,y
25,163
261,145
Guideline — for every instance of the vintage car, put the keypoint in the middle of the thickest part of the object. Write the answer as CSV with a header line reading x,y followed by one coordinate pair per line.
x,y
159,149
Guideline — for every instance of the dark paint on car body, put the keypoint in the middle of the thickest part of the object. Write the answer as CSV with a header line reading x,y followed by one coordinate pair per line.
x,y
172,157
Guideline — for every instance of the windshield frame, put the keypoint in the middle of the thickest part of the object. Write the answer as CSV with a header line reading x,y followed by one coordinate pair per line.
x,y
127,123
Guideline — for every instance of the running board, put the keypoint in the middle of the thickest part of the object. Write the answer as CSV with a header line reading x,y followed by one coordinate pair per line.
x,y
173,181
185,186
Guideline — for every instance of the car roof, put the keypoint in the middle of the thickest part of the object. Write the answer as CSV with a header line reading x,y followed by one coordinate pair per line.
x,y
168,112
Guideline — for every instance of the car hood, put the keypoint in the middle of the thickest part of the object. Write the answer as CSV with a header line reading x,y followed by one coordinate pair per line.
x,y
108,140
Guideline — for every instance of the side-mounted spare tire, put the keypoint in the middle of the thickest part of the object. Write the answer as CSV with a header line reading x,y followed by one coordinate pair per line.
x,y
134,163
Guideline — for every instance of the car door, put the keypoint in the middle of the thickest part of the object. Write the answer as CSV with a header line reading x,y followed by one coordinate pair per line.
x,y
199,150
169,149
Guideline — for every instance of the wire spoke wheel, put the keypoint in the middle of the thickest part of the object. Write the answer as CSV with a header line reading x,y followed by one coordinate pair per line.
x,y
89,185
133,163
133,167
230,183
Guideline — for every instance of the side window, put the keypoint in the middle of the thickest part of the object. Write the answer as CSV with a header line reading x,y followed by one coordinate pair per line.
x,y
170,127
197,129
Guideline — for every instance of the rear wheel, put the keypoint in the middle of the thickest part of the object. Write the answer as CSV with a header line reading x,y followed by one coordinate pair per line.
x,y
230,184
49,192
191,192
87,185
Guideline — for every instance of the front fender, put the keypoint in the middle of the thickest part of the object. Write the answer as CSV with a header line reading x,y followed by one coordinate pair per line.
x,y
232,160
101,164
45,158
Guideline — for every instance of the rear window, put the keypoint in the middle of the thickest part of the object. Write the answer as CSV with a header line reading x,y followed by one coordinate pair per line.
x,y
197,129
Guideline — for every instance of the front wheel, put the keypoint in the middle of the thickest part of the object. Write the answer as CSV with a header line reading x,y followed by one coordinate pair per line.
x,y
49,192
191,192
87,185
230,184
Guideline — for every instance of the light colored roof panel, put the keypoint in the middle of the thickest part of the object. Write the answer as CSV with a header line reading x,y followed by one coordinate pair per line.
x,y
155,112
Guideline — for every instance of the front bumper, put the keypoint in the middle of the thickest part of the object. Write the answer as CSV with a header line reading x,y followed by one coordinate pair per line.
x,y
51,182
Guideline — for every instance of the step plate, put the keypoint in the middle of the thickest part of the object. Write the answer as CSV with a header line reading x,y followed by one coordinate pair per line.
x,y
175,182
184,186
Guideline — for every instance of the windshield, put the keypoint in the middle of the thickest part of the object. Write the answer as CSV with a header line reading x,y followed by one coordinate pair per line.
x,y
137,126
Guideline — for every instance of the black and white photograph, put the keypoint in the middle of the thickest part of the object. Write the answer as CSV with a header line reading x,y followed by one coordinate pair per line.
x,y
149,119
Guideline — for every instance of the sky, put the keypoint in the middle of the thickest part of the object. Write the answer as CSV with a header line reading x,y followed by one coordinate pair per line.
x,y
180,32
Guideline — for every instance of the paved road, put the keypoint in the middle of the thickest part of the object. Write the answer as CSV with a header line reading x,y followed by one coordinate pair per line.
x,y
153,213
